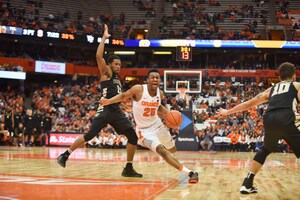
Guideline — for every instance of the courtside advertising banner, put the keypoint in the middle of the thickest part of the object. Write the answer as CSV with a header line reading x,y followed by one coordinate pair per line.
x,y
50,67
62,139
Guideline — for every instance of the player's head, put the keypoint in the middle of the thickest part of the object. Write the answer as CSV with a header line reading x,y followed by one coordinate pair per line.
x,y
153,79
287,71
114,62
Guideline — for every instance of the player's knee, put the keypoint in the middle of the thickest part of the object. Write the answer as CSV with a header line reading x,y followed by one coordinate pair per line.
x,y
173,149
88,136
170,145
162,151
131,136
261,156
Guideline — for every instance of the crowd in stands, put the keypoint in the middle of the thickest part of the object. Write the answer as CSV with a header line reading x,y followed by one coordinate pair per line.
x,y
200,22
195,13
192,12
10,67
288,17
28,16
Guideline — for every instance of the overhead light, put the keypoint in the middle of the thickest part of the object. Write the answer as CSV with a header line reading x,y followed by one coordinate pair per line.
x,y
124,52
162,52
146,30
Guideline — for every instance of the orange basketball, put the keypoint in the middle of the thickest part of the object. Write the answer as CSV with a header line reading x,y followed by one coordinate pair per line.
x,y
173,119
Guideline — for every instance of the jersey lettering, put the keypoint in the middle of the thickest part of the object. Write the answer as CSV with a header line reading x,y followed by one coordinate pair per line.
x,y
281,88
100,107
119,89
149,112
104,92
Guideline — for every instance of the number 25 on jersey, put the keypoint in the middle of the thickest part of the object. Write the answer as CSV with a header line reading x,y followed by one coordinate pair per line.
x,y
149,112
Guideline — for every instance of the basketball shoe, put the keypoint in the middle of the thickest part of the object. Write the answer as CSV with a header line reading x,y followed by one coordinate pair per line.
x,y
193,177
62,159
247,187
130,172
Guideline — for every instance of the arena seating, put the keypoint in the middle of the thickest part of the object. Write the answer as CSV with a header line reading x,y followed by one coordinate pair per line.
x,y
225,24
288,15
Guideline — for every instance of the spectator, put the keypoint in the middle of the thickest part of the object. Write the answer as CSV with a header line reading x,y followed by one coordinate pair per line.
x,y
206,140
259,143
19,135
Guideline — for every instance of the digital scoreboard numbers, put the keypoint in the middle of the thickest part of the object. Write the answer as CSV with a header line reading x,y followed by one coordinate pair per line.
x,y
183,53
10,30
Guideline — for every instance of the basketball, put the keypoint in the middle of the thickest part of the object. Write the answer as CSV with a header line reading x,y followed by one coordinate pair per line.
x,y
173,119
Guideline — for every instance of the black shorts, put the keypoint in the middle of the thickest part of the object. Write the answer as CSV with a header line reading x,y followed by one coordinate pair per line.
x,y
115,117
281,124
38,131
28,132
8,127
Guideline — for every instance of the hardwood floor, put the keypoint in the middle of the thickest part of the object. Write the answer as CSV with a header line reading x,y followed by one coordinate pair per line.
x,y
33,173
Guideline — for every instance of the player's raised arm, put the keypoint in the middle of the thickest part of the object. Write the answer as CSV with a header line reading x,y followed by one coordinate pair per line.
x,y
99,55
257,100
128,94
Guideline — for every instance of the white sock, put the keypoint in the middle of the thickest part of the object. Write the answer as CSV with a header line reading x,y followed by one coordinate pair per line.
x,y
184,170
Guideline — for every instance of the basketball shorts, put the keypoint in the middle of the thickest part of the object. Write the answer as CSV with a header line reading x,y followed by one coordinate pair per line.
x,y
155,135
282,124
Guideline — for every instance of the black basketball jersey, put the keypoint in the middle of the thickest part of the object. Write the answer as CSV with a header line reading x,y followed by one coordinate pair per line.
x,y
17,119
111,88
38,118
8,118
29,122
283,95
47,123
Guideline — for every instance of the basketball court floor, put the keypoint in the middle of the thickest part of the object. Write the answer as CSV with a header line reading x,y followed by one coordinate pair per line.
x,y
33,173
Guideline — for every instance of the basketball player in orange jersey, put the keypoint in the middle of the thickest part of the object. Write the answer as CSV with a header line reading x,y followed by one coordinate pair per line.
x,y
110,86
152,133
281,120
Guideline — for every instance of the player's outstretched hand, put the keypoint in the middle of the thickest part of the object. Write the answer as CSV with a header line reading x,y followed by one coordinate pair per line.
x,y
106,34
222,111
104,102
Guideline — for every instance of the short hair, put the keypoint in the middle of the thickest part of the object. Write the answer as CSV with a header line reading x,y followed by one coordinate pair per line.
x,y
111,58
286,70
153,70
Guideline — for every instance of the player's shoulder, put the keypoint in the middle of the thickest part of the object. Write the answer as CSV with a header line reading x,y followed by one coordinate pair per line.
x,y
297,85
137,87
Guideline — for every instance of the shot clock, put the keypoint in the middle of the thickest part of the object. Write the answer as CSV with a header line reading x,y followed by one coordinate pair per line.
x,y
183,53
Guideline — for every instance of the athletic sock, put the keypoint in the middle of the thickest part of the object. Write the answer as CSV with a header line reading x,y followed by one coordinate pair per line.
x,y
250,175
184,169
128,164
68,152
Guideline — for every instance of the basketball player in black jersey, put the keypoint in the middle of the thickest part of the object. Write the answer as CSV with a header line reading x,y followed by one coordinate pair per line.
x,y
9,119
113,115
281,120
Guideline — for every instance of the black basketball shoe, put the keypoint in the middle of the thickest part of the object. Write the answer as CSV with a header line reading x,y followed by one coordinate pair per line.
x,y
62,159
247,187
193,177
130,172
